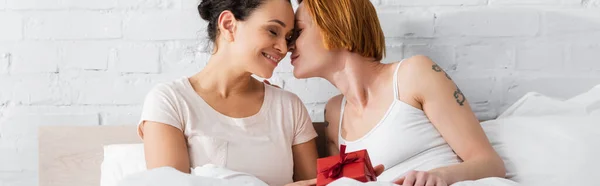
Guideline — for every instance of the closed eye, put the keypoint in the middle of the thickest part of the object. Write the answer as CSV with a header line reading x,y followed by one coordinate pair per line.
x,y
273,33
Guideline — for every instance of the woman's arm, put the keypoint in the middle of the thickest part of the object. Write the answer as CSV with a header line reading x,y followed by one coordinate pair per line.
x,y
332,115
305,160
447,108
165,145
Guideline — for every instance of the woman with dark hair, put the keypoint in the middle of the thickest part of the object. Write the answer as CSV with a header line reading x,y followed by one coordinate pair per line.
x,y
222,115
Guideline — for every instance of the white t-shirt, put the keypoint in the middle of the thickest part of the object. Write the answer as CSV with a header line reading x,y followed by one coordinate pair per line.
x,y
260,145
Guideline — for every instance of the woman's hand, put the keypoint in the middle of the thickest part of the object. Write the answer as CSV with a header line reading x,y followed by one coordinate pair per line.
x,y
378,170
420,178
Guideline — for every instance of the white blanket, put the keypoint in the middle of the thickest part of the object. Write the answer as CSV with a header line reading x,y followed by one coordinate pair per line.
x,y
200,176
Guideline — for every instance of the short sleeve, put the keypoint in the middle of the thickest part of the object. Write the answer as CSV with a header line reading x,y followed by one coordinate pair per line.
x,y
160,106
304,130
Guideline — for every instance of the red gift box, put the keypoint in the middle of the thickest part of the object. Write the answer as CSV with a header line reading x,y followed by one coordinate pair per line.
x,y
355,165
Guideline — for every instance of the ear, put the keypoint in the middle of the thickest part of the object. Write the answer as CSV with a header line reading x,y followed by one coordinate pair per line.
x,y
227,25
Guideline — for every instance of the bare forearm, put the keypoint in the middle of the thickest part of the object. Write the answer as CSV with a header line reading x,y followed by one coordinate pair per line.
x,y
471,170
305,161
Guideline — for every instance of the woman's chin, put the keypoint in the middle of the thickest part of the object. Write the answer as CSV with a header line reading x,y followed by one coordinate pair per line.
x,y
298,74
265,75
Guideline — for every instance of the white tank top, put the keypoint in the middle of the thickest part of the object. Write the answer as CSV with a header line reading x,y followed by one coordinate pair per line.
x,y
403,140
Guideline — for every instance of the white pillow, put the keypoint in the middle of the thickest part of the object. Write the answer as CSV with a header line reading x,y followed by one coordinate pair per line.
x,y
547,150
121,160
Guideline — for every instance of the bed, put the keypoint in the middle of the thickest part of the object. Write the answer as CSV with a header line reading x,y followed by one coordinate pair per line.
x,y
542,140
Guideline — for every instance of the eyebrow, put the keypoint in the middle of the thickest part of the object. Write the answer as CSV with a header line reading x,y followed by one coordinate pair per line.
x,y
279,22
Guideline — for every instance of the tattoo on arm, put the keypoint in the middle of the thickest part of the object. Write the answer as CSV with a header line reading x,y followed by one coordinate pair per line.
x,y
459,96
437,68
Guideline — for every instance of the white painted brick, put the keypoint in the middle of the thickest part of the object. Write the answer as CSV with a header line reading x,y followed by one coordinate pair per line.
x,y
485,57
25,125
488,22
535,2
126,118
12,26
4,62
193,4
442,55
32,89
434,2
183,57
138,58
577,22
164,25
108,89
5,95
91,4
314,90
316,112
31,57
19,178
147,4
34,4
122,4
180,51
394,53
18,143
584,57
407,24
86,55
540,57
561,87
15,160
73,25
38,89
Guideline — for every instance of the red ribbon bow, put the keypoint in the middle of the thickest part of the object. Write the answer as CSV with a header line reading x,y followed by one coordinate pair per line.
x,y
336,170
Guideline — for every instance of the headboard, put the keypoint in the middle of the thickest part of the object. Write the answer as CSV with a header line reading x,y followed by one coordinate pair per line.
x,y
71,155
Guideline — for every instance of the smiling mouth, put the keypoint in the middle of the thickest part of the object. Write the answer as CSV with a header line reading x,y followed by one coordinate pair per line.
x,y
272,58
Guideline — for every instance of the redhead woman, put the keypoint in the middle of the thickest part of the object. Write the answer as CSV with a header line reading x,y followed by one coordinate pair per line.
x,y
409,115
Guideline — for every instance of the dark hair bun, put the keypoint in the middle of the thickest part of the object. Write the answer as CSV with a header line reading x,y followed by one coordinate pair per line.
x,y
205,8
211,9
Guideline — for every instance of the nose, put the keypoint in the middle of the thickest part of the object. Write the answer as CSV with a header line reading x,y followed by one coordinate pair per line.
x,y
281,46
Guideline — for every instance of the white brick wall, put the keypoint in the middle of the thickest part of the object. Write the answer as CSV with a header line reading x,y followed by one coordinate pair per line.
x,y
90,62
488,22
434,2
495,57
12,26
64,25
536,2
